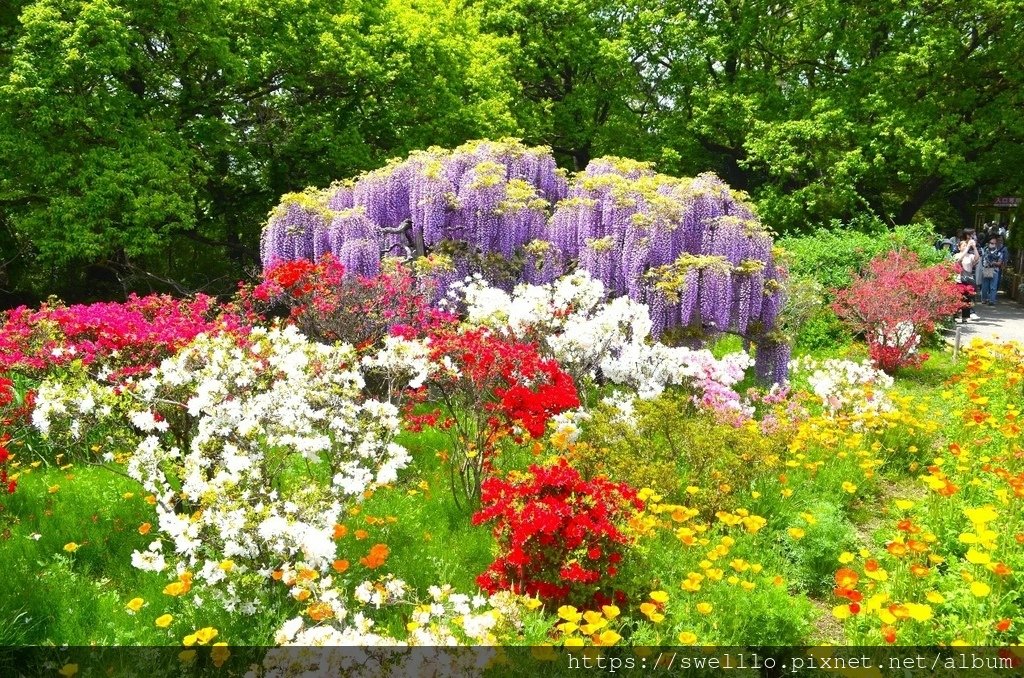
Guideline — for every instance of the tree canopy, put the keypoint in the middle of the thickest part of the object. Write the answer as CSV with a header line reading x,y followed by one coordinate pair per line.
x,y
144,143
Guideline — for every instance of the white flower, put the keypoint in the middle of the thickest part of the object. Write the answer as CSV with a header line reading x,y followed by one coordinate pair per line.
x,y
148,561
145,421
288,630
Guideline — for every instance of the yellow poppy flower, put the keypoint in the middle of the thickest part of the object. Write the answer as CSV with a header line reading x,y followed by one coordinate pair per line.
x,y
659,596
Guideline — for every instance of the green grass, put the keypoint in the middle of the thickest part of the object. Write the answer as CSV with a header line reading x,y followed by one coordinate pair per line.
x,y
79,597
56,597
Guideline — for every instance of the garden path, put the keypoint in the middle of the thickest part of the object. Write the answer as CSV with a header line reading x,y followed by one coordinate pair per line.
x,y
1004,321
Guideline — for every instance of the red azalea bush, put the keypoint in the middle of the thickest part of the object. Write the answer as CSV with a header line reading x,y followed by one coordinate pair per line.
x,y
129,337
560,537
7,484
10,413
328,305
485,386
894,302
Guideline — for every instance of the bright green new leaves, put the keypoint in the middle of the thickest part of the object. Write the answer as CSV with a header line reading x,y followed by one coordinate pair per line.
x,y
150,138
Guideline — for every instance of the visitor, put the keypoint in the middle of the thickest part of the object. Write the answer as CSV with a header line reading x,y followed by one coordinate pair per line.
x,y
990,262
946,245
966,259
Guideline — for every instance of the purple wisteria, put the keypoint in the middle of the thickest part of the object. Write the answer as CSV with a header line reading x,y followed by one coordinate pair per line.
x,y
693,250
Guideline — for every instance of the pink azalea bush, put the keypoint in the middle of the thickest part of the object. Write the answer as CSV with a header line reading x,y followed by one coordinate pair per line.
x,y
894,303
128,338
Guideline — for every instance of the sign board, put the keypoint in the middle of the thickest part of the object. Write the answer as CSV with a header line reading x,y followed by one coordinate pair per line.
x,y
1007,201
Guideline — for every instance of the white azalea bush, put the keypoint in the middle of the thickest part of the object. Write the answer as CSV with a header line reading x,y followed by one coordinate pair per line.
x,y
252,447
845,387
444,618
591,337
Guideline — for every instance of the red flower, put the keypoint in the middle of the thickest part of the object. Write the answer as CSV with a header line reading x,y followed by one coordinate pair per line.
x,y
546,521
915,299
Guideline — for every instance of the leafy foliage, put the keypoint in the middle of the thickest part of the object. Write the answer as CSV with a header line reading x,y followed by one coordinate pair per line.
x,y
895,302
670,447
835,255
151,139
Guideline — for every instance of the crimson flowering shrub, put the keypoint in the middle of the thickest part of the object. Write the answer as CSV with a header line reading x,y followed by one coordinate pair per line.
x,y
328,305
560,537
10,413
485,386
894,302
129,337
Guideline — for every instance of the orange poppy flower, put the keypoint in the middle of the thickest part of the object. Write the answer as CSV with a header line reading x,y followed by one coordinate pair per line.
x,y
376,557
897,548
846,578
919,570
319,611
1001,569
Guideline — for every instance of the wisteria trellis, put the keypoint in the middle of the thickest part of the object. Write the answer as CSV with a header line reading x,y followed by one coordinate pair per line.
x,y
693,249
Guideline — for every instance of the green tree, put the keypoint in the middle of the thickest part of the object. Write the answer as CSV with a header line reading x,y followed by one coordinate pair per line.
x,y
582,91
148,140
829,109
821,109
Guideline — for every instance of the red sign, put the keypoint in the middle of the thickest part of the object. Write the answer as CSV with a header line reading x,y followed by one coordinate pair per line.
x,y
1007,201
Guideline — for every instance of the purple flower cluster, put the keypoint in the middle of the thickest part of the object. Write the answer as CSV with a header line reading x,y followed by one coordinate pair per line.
x,y
692,249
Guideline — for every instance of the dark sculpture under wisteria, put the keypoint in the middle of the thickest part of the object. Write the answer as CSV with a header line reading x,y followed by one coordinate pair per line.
x,y
693,250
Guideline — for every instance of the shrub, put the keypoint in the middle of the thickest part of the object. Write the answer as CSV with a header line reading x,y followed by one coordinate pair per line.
x,y
121,338
593,339
823,330
560,537
486,386
668,445
805,297
833,256
251,447
328,306
14,417
894,302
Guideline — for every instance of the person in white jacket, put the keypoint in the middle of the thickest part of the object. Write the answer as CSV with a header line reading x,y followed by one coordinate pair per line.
x,y
967,259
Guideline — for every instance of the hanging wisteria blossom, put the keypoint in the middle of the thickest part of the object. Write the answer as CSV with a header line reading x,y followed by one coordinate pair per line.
x,y
692,250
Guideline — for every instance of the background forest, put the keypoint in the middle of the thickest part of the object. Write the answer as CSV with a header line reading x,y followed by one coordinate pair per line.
x,y
142,144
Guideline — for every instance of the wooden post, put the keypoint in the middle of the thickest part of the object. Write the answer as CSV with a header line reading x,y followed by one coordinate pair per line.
x,y
956,343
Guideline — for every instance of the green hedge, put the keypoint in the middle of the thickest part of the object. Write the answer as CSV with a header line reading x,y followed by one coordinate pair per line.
x,y
831,256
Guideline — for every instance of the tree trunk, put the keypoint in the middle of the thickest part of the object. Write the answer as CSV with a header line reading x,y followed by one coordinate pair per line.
x,y
915,202
581,157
